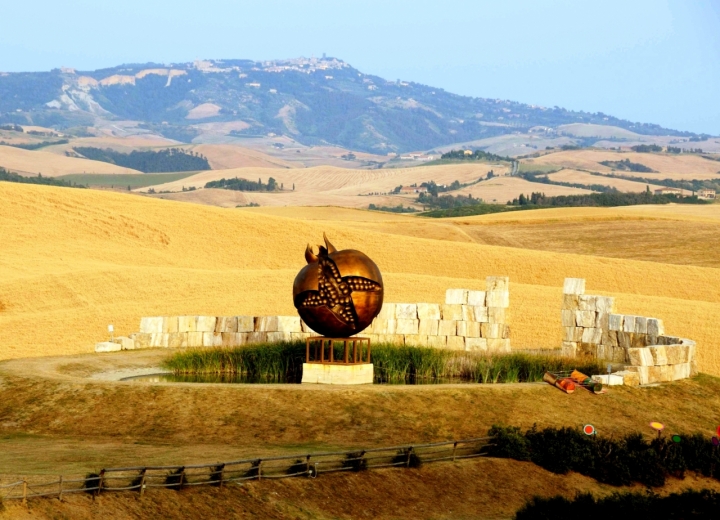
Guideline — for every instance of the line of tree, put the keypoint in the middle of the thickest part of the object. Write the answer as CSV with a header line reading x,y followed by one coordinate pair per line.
x,y
646,148
393,209
477,155
238,184
161,161
542,177
34,146
627,165
617,198
7,176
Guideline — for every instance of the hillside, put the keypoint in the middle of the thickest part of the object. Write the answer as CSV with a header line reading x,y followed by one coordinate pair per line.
x,y
316,101
109,258
32,162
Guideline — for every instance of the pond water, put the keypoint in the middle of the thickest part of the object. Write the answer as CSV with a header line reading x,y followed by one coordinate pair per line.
x,y
168,377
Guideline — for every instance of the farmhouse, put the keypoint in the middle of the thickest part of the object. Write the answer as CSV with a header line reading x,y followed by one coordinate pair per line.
x,y
706,194
668,191
413,189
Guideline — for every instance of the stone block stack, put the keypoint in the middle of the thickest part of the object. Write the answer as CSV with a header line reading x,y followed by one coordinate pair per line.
x,y
592,329
468,320
214,331
585,320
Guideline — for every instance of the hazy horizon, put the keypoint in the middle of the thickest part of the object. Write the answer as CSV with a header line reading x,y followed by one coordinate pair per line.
x,y
646,61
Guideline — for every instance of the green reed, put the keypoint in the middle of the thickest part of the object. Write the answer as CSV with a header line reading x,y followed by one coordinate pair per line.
x,y
282,362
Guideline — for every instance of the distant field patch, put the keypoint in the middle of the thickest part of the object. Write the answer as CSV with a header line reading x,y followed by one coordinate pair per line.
x,y
134,181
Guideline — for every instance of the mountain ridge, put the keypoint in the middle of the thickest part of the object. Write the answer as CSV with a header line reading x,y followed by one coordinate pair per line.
x,y
315,101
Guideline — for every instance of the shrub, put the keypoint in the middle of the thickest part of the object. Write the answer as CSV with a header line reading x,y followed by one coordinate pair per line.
x,y
93,483
688,504
509,442
355,461
176,479
408,457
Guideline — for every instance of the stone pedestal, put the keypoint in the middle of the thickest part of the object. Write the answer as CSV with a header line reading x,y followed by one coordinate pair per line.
x,y
337,374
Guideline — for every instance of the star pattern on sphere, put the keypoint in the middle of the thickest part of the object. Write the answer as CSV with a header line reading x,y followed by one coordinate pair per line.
x,y
335,291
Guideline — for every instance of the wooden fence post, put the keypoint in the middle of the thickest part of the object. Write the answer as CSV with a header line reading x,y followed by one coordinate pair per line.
x,y
60,493
24,495
222,474
100,482
409,453
307,465
454,450
260,469
142,481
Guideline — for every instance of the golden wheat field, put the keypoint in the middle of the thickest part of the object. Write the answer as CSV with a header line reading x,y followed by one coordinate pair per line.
x,y
678,167
49,164
587,179
75,261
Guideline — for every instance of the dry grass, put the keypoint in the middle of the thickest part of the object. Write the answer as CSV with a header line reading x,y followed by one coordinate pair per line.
x,y
203,111
32,162
76,260
678,167
468,489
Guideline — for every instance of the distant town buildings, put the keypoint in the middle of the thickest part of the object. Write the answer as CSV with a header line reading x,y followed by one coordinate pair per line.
x,y
706,194
668,191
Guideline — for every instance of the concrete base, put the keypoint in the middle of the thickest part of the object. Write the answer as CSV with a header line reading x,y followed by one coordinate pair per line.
x,y
338,374
107,346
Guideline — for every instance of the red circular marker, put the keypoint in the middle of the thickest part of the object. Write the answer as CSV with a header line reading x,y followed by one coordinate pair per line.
x,y
718,431
589,429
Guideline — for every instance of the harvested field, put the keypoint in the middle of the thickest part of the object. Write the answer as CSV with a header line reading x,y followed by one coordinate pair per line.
x,y
502,189
677,167
223,157
577,177
32,162
108,258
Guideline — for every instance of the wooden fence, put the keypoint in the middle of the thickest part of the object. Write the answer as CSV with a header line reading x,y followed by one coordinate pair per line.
x,y
140,479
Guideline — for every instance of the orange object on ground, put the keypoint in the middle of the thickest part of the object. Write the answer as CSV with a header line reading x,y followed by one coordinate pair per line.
x,y
564,384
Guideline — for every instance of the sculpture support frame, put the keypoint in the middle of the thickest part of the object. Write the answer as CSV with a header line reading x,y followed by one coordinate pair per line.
x,y
355,343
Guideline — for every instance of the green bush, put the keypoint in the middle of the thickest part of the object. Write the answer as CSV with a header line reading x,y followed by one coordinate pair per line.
x,y
688,504
509,442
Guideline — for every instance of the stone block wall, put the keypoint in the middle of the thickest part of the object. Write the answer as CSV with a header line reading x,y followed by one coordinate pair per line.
x,y
591,328
468,320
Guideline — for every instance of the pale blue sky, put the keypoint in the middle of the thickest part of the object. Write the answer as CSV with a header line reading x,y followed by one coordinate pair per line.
x,y
655,61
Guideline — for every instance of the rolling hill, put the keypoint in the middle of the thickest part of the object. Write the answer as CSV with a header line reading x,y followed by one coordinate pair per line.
x,y
316,101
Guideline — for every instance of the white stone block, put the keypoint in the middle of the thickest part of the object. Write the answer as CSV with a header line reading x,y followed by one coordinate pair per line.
x,y
628,323
194,339
151,325
640,325
476,298
574,286
640,357
592,335
476,344
289,324
428,311
605,304
267,324
437,341
428,327
456,343
125,342
471,329
642,372
498,298
279,336
256,337
587,302
615,322
406,311
655,327
186,324
468,313
245,323
456,296
585,319
610,379
451,312
107,346
387,312
407,326
226,324
659,354
497,283
461,328
206,324
569,349
681,371
447,327
568,318
170,324
574,334
485,314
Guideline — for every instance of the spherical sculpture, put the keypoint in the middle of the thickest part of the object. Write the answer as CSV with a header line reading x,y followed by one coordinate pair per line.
x,y
338,293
